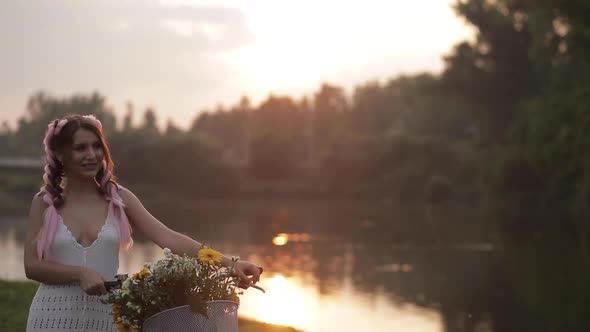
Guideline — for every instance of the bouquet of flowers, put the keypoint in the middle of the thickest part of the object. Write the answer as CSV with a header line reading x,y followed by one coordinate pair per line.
x,y
172,282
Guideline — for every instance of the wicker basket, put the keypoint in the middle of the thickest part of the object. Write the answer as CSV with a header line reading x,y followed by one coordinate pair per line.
x,y
223,317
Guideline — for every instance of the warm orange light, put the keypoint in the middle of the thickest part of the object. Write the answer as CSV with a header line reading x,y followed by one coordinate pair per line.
x,y
299,237
291,301
407,268
281,239
305,237
286,303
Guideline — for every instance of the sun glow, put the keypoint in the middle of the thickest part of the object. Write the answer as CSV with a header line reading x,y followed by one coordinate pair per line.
x,y
298,45
284,303
281,239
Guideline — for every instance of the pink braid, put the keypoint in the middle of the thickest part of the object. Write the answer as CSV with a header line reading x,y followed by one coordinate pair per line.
x,y
120,219
53,129
49,227
106,178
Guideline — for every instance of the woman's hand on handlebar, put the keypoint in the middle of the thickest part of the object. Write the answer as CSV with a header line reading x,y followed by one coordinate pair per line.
x,y
91,282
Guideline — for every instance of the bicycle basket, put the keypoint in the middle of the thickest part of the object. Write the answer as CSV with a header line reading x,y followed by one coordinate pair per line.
x,y
223,317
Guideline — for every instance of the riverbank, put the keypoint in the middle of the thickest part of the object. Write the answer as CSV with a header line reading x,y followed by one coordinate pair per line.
x,y
16,296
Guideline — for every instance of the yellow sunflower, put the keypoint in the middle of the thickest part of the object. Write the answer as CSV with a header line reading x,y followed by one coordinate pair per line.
x,y
121,327
144,272
210,256
116,308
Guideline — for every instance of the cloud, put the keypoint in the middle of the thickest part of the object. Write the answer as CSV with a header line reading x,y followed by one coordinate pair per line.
x,y
126,49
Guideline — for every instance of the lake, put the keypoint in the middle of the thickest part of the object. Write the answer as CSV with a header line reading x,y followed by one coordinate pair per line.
x,y
329,267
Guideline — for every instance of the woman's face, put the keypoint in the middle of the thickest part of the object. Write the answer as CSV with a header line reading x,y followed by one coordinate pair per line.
x,y
84,157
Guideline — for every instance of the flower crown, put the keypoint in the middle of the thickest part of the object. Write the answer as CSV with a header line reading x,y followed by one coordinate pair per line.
x,y
54,128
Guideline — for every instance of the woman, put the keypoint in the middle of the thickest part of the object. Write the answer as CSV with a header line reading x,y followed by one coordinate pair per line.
x,y
78,223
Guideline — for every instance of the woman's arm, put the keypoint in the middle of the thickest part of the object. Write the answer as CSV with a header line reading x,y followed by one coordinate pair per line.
x,y
49,272
164,237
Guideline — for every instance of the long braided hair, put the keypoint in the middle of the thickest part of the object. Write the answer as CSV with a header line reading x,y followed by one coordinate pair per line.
x,y
60,135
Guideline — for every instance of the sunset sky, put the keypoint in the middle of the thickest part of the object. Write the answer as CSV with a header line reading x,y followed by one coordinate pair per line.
x,y
181,57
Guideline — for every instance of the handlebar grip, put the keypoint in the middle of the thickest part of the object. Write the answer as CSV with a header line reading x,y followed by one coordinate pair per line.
x,y
119,278
109,285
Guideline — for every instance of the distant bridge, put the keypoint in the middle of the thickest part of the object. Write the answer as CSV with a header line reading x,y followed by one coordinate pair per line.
x,y
21,163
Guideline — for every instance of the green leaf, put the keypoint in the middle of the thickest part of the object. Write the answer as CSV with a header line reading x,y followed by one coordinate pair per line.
x,y
198,304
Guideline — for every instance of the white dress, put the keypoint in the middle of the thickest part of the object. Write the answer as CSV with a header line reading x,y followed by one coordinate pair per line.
x,y
61,308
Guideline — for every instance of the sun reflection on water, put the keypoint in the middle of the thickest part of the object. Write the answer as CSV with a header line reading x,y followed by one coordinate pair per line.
x,y
284,304
290,302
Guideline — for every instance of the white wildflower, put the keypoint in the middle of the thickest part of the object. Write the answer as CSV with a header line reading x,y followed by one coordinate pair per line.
x,y
126,283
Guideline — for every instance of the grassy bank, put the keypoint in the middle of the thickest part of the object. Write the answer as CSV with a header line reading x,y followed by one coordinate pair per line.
x,y
16,296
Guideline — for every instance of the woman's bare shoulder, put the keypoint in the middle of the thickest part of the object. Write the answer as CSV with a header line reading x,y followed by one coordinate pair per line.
x,y
38,198
126,194
37,203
